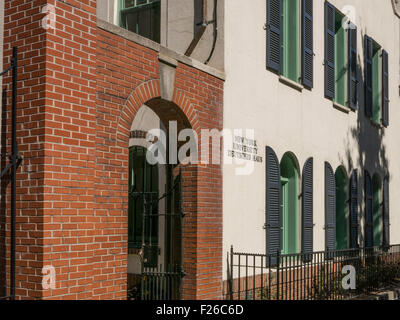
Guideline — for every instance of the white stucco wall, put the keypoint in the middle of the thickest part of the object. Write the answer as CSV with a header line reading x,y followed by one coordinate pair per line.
x,y
304,123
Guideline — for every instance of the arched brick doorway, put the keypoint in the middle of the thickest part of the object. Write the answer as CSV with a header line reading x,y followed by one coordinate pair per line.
x,y
160,197
202,224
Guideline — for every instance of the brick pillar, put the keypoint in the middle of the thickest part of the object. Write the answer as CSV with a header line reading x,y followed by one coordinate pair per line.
x,y
69,233
22,28
56,121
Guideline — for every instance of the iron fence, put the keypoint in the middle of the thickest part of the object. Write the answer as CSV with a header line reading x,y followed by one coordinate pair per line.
x,y
311,276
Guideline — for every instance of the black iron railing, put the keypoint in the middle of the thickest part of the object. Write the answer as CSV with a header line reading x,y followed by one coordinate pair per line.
x,y
9,173
325,275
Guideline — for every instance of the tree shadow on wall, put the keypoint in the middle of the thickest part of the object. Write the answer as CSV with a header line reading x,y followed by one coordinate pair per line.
x,y
368,139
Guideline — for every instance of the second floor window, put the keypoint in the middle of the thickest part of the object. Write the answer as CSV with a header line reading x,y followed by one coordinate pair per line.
x,y
141,17
376,82
290,39
341,82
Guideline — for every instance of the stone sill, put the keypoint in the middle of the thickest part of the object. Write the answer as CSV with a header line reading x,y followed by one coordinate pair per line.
x,y
165,53
291,83
341,107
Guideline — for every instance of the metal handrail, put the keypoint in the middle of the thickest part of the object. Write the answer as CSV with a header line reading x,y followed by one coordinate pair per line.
x,y
15,161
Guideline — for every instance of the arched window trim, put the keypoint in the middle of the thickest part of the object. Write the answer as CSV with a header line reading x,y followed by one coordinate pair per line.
x,y
290,246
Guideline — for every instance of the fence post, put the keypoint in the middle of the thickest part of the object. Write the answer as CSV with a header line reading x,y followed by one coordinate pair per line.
x,y
277,274
231,275
269,277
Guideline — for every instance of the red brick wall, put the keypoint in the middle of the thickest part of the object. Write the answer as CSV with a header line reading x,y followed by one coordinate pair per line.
x,y
22,28
129,72
80,88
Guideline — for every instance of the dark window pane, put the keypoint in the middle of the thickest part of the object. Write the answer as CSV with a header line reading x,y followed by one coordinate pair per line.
x,y
129,3
143,188
143,18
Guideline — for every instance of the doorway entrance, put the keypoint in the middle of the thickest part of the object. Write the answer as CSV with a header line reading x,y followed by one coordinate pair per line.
x,y
155,216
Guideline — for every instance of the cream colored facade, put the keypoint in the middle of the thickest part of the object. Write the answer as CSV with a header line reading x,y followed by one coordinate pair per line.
x,y
303,121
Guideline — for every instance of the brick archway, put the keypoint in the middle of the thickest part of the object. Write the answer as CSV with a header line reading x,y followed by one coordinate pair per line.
x,y
200,263
201,108
148,94
145,93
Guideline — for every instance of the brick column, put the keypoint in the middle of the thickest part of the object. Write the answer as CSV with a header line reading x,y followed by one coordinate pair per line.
x,y
56,121
69,233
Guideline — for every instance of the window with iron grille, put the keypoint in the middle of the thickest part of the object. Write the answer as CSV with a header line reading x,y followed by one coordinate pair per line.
x,y
143,193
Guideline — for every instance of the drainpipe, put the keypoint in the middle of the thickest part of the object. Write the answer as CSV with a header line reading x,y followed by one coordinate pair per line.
x,y
396,7
215,32
201,31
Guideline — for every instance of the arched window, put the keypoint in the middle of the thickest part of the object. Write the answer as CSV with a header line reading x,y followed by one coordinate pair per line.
x,y
377,210
290,204
342,209
143,186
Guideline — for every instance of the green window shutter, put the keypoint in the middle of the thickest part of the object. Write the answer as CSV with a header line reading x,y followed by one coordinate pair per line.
x,y
377,214
386,221
307,211
354,210
369,240
330,209
341,64
368,48
352,68
307,44
329,51
274,32
273,205
385,88
376,84
290,64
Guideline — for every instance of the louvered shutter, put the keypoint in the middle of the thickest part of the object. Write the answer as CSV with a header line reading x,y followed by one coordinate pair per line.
x,y
307,211
330,209
368,211
307,43
329,51
352,73
385,88
354,210
386,221
368,76
273,205
274,31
